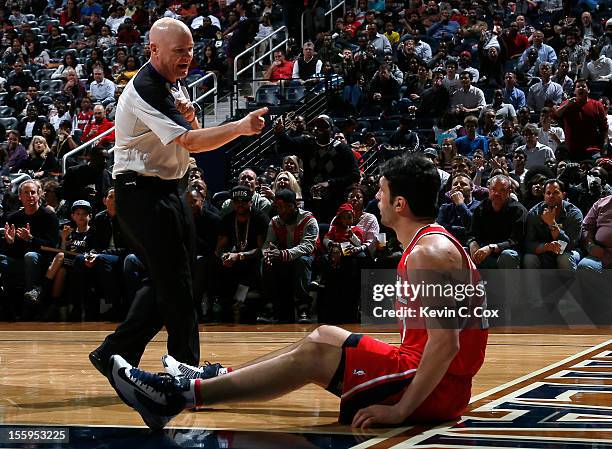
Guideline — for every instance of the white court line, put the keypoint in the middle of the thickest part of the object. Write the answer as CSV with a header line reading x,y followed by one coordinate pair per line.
x,y
494,390
540,371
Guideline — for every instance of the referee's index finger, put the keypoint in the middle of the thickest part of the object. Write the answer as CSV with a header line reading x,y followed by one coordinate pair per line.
x,y
260,112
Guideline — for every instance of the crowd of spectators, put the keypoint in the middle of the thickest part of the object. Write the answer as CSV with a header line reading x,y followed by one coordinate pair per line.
x,y
509,99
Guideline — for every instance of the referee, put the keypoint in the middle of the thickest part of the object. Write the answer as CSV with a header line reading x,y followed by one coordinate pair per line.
x,y
156,130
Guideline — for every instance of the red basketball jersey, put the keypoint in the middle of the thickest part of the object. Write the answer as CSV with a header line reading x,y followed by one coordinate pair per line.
x,y
473,328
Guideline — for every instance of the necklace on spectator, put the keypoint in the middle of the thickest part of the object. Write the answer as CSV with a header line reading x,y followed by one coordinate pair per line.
x,y
242,244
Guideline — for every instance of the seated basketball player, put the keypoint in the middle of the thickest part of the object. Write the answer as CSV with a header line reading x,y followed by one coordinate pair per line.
x,y
427,378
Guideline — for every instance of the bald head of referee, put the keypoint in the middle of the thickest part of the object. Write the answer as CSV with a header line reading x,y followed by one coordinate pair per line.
x,y
171,54
171,48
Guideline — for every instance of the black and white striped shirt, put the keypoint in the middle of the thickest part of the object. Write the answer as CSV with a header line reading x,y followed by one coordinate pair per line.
x,y
146,125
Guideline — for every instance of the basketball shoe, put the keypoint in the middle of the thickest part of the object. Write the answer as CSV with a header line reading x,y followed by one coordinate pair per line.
x,y
157,397
206,371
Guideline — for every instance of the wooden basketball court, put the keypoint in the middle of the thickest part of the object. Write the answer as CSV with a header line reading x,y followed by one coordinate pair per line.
x,y
537,388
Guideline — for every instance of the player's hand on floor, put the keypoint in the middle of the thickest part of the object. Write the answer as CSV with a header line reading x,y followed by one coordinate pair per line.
x,y
377,414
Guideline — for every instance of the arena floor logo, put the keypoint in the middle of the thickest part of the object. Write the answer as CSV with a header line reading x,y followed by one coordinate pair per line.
x,y
567,405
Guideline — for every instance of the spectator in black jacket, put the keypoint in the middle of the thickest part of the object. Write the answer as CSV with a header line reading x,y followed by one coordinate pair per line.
x,y
31,125
208,225
329,166
19,81
21,261
384,85
41,160
498,228
492,63
435,100
456,216
88,181
105,263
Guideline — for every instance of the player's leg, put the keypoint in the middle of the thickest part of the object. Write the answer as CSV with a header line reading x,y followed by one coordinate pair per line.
x,y
307,363
330,335
158,398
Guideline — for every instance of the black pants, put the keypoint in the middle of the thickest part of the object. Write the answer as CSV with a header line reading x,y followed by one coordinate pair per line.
x,y
159,227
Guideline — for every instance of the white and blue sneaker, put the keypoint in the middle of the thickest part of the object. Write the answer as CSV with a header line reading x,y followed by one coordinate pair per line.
x,y
157,397
178,369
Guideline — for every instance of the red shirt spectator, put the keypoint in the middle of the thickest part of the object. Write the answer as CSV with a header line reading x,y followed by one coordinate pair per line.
x,y
585,123
516,43
83,119
97,126
280,69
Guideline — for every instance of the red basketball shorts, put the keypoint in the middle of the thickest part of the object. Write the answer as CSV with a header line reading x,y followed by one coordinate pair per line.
x,y
374,372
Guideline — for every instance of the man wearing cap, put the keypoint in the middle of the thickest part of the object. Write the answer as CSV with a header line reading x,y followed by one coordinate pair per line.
x,y
465,64
288,256
77,239
403,136
24,233
248,178
329,165
241,238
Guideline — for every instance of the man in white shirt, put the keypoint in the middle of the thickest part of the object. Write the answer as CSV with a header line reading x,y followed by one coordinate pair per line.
x,y
551,136
536,152
116,18
546,91
598,67
307,66
469,100
545,52
101,89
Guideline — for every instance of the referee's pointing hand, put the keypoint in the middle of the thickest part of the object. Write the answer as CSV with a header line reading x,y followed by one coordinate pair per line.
x,y
254,122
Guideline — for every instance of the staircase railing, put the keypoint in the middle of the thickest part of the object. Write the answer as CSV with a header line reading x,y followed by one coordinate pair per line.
x,y
255,60
329,13
257,150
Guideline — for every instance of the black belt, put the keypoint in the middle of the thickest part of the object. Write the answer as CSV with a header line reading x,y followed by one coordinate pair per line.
x,y
134,178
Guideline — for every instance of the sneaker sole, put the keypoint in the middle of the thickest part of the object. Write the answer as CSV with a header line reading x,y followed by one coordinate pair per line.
x,y
119,380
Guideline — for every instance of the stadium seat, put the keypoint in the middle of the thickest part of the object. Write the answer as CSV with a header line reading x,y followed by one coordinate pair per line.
x,y
6,111
293,94
51,85
9,122
268,96
44,74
